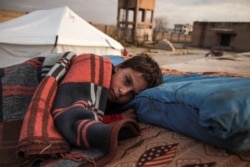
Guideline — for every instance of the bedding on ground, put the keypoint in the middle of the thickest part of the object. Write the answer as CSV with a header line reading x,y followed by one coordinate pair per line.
x,y
190,120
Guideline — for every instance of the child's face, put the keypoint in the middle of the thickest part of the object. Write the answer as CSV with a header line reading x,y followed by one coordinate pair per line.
x,y
125,84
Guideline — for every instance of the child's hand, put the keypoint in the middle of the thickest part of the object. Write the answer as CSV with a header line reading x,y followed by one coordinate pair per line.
x,y
129,114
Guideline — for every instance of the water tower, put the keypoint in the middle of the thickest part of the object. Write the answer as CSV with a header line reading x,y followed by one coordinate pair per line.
x,y
135,20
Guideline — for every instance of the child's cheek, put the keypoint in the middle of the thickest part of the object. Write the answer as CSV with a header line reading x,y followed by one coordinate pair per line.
x,y
125,99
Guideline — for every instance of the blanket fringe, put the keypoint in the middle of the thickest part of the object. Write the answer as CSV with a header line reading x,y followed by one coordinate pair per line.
x,y
47,147
78,158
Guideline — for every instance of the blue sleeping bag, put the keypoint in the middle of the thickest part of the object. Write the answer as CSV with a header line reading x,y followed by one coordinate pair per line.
x,y
213,109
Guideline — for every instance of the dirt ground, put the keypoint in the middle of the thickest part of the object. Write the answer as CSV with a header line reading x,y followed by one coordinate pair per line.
x,y
194,60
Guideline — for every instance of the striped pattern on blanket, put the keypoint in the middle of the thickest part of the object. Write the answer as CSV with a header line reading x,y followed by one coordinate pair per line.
x,y
39,134
81,99
17,86
63,122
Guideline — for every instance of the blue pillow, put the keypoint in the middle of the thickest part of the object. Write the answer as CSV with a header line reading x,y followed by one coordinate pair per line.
x,y
115,59
213,109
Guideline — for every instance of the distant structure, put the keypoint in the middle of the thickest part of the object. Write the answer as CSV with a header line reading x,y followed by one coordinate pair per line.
x,y
135,20
233,36
183,29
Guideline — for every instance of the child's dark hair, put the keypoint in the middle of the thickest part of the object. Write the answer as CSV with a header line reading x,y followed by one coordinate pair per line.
x,y
144,64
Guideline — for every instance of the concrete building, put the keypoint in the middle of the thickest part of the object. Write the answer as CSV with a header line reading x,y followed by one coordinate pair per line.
x,y
183,29
234,36
135,20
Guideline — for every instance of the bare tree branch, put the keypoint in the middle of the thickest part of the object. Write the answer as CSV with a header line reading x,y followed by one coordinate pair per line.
x,y
160,25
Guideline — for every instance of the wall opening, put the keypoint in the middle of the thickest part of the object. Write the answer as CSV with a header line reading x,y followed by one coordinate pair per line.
x,y
225,39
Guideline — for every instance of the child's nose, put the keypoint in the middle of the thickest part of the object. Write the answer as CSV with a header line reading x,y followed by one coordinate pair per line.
x,y
124,91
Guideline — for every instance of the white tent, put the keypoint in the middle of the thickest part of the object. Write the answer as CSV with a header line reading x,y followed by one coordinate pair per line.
x,y
42,32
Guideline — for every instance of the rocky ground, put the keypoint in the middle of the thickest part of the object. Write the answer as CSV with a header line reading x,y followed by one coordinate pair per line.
x,y
194,60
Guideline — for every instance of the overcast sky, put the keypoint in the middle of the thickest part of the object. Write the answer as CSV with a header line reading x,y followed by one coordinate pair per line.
x,y
175,11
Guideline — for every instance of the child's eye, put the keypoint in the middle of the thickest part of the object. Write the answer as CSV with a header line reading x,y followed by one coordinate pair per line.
x,y
127,81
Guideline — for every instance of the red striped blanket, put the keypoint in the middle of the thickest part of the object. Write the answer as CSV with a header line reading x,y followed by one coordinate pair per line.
x,y
62,124
17,85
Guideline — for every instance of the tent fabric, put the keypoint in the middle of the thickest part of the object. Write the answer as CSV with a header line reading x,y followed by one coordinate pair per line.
x,y
213,109
52,31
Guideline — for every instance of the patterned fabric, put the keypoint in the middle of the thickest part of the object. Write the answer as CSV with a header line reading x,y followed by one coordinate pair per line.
x,y
161,147
39,134
18,84
66,112
51,112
